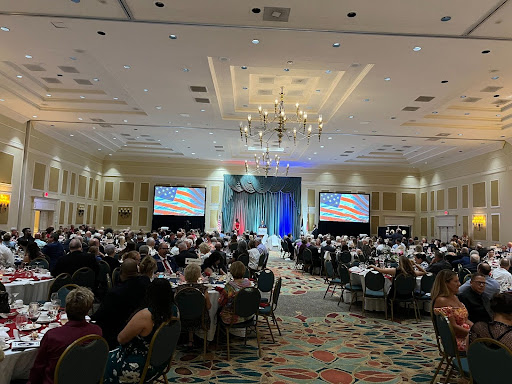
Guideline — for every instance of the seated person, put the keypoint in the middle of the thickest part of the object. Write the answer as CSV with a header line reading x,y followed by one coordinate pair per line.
x,y
214,264
229,292
204,251
502,275
121,301
462,259
184,254
192,274
421,260
501,326
476,303
492,287
474,260
405,267
438,263
75,260
147,267
55,341
110,251
126,362
6,256
164,261
254,256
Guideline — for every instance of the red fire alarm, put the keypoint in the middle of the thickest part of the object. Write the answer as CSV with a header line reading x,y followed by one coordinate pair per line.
x,y
46,194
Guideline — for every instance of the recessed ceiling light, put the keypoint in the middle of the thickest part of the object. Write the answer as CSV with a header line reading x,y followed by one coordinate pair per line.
x,y
211,133
185,69
158,107
446,18
322,146
125,145
82,97
498,115
460,134
173,37
214,142
114,138
366,100
286,69
243,67
125,121
159,4
193,153
444,81
71,135
336,45
48,95
101,33
387,78
93,127
80,119
28,56
203,110
95,79
5,29
116,98
19,76
2,99
329,138
435,112
486,51
35,116
463,97
255,41
374,131
59,74
309,158
99,149
314,153
177,131
110,154
502,136
351,117
182,139
328,71
218,155
416,49
126,67
351,14
495,77
146,90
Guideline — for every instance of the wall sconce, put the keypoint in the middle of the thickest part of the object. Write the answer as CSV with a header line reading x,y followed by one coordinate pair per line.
x,y
80,210
479,221
124,212
5,200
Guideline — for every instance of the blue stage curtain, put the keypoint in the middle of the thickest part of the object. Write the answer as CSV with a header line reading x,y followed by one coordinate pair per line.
x,y
251,199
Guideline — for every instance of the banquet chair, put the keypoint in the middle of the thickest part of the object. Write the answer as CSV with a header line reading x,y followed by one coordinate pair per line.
x,y
269,311
308,259
233,247
246,304
40,262
244,259
316,262
192,306
374,288
427,282
347,285
344,258
463,273
331,279
404,293
161,350
84,277
261,261
2,287
63,292
265,281
284,249
60,281
439,346
116,276
484,353
71,369
450,350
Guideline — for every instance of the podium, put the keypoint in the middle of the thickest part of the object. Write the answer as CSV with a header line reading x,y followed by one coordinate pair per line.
x,y
262,231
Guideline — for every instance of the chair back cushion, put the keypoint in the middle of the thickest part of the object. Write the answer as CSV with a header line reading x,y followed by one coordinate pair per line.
x,y
191,303
345,257
116,276
329,270
427,282
344,274
308,256
374,281
447,335
84,277
40,262
244,259
277,292
83,362
104,271
59,282
247,302
284,246
486,353
63,292
164,343
404,286
266,280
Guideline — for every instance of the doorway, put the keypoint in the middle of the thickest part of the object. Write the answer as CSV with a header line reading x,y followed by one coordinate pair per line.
x,y
42,220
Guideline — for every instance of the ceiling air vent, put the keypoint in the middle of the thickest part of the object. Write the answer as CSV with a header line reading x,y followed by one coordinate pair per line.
x,y
68,69
219,146
197,88
387,146
425,99
145,136
266,80
276,14
52,80
349,152
433,139
125,134
443,134
98,120
202,100
34,67
105,126
295,92
265,92
491,89
299,81
410,109
471,99
83,81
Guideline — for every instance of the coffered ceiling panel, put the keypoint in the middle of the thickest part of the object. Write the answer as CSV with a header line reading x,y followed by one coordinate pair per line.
x,y
83,8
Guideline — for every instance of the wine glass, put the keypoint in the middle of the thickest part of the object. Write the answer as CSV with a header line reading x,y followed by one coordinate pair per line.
x,y
33,311
54,297
21,322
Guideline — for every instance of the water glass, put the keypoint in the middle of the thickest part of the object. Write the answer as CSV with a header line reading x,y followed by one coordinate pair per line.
x,y
21,321
33,311
54,296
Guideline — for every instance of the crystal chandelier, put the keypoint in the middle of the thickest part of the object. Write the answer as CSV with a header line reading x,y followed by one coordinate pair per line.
x,y
265,164
267,125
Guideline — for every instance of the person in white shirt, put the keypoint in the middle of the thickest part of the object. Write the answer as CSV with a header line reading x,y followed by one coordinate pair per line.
x,y
254,256
150,242
6,256
503,276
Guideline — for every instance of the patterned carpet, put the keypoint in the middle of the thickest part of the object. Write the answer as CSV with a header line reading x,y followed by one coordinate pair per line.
x,y
338,347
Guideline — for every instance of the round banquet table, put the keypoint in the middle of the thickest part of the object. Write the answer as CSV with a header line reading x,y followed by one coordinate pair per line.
x,y
31,289
372,304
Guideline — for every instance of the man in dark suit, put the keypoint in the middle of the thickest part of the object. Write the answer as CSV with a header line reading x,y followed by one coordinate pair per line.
x,y
121,302
327,248
218,248
184,254
314,233
75,260
164,261
53,250
476,303
291,248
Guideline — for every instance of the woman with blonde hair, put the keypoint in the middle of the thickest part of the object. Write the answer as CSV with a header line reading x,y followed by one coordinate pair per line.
x,y
445,302
192,274
227,296
148,267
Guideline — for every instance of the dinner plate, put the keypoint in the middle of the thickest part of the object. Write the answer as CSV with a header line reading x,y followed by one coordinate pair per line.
x,y
28,338
30,327
6,347
47,321
4,329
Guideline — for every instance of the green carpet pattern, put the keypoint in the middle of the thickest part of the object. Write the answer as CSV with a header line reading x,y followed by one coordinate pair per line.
x,y
333,347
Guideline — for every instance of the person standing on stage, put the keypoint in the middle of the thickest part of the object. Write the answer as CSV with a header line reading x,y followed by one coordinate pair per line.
x,y
262,225
237,226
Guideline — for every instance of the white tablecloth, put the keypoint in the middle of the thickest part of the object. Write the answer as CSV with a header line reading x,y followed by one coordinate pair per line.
x,y
214,300
29,290
16,365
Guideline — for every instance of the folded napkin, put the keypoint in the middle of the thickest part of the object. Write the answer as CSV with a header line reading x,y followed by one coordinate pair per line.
x,y
219,289
4,335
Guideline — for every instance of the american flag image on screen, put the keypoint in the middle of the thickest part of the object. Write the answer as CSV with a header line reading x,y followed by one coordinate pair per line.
x,y
179,201
346,207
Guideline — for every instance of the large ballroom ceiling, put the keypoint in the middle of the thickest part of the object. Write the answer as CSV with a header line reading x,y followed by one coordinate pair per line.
x,y
407,85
